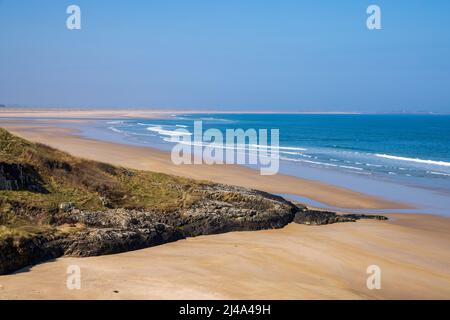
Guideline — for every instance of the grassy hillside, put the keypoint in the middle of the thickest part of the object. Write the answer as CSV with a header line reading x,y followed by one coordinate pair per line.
x,y
39,181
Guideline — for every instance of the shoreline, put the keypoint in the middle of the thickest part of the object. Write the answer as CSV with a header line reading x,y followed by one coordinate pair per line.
x,y
145,158
133,112
295,262
19,111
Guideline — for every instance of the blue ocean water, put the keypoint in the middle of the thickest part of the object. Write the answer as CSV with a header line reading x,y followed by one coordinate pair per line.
x,y
377,154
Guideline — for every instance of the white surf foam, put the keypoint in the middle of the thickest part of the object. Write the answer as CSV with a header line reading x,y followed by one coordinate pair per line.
x,y
417,160
373,165
115,130
309,161
439,173
351,167
171,133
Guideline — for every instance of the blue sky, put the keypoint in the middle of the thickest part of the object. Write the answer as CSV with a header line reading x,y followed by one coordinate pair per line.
x,y
229,54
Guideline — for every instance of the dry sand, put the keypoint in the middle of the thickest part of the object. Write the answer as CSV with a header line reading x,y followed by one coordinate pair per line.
x,y
296,262
85,113
96,113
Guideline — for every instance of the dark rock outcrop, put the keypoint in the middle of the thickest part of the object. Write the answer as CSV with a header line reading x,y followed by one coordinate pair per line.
x,y
17,253
315,217
94,242
20,177
226,208
220,209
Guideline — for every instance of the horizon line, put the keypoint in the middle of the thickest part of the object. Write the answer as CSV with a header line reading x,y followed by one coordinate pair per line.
x,y
17,108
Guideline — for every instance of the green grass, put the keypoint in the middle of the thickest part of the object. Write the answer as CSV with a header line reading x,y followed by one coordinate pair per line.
x,y
82,182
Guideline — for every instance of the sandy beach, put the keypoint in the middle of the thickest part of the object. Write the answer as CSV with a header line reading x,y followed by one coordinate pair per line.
x,y
296,262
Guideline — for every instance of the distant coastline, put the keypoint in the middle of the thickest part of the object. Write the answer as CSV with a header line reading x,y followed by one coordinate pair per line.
x,y
163,110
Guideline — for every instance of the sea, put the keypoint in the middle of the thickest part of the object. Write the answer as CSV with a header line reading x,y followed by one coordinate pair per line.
x,y
403,158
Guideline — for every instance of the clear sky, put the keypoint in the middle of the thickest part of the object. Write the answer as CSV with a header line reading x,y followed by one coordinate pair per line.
x,y
315,55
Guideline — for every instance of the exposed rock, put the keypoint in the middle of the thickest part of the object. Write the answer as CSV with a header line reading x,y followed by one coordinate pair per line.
x,y
19,253
226,208
20,177
315,217
94,242
67,206
220,209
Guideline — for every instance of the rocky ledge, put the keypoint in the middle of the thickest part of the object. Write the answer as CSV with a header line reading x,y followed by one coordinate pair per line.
x,y
315,217
220,209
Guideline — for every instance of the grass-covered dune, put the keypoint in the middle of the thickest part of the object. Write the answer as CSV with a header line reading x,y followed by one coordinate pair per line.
x,y
37,182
